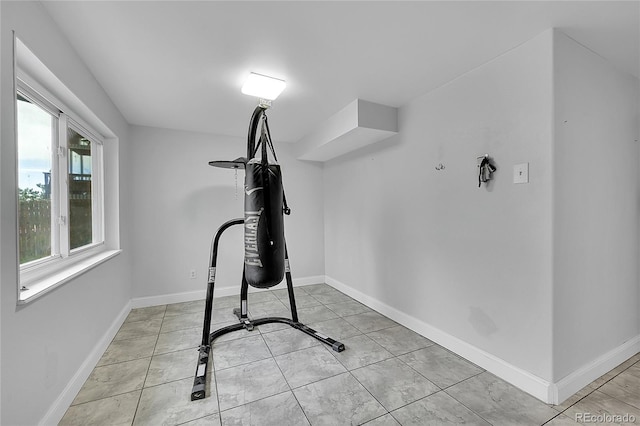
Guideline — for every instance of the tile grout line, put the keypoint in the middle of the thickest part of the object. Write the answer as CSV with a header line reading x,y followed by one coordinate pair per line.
x,y
213,372
243,363
612,397
445,349
388,413
104,397
135,413
417,372
614,376
603,392
462,403
440,390
122,362
319,380
335,375
421,374
601,385
198,345
215,380
257,400
563,411
372,396
463,380
285,380
164,383
377,362
552,418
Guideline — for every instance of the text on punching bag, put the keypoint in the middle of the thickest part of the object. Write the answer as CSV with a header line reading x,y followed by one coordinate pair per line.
x,y
251,255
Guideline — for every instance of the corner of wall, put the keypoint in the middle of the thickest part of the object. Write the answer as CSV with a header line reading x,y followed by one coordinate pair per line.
x,y
59,407
595,247
407,238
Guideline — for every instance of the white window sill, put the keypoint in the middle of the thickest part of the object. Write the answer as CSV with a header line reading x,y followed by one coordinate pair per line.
x,y
43,285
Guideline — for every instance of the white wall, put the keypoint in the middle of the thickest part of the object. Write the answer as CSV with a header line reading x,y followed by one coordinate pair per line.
x,y
45,343
180,202
2,237
595,207
502,268
474,263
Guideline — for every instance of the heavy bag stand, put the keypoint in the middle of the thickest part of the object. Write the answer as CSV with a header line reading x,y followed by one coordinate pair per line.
x,y
199,383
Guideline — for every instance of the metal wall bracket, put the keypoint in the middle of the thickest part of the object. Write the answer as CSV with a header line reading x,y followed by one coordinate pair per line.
x,y
264,103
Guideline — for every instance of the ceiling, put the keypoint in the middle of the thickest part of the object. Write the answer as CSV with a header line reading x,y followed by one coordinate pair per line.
x,y
181,64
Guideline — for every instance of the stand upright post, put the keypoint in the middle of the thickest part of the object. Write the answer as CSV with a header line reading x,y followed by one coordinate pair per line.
x,y
199,383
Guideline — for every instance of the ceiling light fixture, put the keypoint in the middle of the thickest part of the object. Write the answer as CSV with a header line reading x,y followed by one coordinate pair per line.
x,y
262,86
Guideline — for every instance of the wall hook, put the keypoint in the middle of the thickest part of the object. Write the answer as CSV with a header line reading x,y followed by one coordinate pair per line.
x,y
485,169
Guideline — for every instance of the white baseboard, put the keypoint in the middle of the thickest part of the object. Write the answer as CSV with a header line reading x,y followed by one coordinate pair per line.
x,y
510,373
302,281
165,299
586,374
63,402
548,392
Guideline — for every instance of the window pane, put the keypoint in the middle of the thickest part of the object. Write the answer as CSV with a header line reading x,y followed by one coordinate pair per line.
x,y
36,129
80,204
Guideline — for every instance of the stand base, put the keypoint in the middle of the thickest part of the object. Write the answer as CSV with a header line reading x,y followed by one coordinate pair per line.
x,y
199,392
199,383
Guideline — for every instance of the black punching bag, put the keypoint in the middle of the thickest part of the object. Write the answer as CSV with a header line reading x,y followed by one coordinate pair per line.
x,y
264,246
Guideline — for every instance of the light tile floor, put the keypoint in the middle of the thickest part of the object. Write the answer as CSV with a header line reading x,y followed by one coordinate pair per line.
x,y
275,375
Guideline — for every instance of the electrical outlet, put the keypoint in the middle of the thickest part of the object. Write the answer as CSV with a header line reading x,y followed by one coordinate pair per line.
x,y
192,274
521,173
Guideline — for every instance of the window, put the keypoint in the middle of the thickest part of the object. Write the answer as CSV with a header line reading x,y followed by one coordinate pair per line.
x,y
60,187
85,202
37,127
66,181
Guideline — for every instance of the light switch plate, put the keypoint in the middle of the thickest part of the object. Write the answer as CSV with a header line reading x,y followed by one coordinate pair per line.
x,y
521,173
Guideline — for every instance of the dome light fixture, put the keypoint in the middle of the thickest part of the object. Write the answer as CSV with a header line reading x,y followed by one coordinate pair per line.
x,y
263,86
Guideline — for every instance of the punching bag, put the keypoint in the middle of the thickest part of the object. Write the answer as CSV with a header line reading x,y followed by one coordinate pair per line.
x,y
264,246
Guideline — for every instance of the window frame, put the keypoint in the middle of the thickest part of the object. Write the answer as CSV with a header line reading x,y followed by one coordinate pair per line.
x,y
97,186
41,275
35,98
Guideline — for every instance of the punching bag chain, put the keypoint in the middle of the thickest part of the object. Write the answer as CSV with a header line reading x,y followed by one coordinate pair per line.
x,y
285,208
265,178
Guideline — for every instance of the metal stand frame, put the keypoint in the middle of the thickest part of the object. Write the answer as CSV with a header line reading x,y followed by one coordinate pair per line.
x,y
199,383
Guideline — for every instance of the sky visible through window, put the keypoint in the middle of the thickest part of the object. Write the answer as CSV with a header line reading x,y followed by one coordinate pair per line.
x,y
35,132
